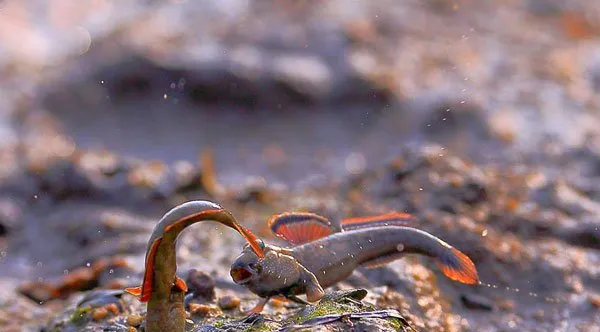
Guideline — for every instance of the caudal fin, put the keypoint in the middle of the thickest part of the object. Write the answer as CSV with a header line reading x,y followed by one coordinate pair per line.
x,y
458,267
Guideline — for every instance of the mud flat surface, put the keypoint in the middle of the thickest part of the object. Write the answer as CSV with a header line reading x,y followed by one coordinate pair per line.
x,y
479,117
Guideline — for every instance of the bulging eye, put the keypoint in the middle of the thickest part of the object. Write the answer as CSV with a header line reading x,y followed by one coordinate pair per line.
x,y
261,244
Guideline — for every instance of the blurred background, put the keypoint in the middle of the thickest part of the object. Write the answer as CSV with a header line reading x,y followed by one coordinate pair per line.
x,y
480,117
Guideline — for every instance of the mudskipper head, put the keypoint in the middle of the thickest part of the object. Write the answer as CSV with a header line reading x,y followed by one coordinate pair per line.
x,y
265,276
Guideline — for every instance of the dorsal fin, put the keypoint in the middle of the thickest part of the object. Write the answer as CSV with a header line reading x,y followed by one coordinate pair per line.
x,y
388,219
145,291
300,227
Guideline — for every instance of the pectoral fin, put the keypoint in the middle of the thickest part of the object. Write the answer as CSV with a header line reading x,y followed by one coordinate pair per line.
x,y
135,291
388,219
300,227
314,291
180,284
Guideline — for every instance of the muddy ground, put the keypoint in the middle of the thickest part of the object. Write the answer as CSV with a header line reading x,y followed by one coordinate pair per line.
x,y
480,117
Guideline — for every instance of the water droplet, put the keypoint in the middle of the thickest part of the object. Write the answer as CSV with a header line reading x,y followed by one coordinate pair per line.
x,y
165,96
484,233
321,246
39,264
400,247
65,271
111,271
88,264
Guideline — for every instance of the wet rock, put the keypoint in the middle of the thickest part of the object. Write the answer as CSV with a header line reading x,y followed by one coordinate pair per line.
x,y
134,320
303,78
201,286
583,235
229,302
10,216
204,310
477,302
63,179
80,279
101,298
455,124
99,314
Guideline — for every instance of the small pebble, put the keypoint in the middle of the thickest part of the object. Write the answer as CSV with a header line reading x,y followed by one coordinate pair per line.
x,y
507,305
539,315
99,314
203,309
595,300
229,302
134,320
476,302
112,308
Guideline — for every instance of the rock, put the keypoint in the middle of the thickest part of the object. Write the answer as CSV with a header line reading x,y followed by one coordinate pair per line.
x,y
134,320
476,302
99,314
304,78
201,285
229,302
10,216
204,310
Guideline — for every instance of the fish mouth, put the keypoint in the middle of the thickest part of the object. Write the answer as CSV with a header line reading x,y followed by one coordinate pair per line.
x,y
241,275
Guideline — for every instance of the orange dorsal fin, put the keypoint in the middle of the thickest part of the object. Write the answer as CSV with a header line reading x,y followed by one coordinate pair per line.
x,y
180,284
458,267
300,227
135,291
388,219
148,283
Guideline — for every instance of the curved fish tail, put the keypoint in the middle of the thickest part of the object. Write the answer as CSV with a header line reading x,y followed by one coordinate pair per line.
x,y
458,266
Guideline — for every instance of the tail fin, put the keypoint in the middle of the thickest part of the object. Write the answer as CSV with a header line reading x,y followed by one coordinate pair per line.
x,y
458,267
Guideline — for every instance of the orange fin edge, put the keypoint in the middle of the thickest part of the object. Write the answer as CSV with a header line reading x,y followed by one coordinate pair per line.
x,y
148,283
387,219
135,291
300,227
459,267
180,284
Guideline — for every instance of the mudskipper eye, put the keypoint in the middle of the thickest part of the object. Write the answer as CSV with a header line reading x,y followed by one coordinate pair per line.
x,y
261,244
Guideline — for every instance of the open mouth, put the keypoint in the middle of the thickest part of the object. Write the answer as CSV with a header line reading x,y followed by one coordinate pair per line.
x,y
241,275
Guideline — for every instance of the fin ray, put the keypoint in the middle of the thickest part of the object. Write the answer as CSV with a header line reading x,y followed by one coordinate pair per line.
x,y
458,267
300,227
135,291
180,284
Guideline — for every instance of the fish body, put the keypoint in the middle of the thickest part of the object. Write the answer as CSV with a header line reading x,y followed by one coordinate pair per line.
x,y
325,253
161,287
